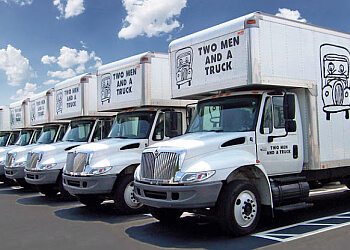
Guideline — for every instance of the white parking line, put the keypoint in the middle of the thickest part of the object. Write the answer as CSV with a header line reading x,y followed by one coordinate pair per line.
x,y
306,228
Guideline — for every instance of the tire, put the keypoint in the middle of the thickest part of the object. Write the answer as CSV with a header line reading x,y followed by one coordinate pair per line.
x,y
90,200
239,208
23,183
47,190
65,195
124,199
165,215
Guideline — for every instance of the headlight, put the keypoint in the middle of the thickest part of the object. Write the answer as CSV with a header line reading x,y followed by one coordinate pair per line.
x,y
46,166
101,170
137,174
193,177
19,164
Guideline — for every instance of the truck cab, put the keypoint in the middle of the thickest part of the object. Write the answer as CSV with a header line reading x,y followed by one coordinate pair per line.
x,y
8,138
17,157
104,170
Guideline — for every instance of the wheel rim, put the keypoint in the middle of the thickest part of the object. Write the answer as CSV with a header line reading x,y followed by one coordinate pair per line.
x,y
129,197
245,208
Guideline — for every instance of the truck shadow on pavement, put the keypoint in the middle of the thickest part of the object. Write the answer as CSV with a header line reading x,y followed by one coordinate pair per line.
x,y
103,213
191,232
202,232
41,200
17,190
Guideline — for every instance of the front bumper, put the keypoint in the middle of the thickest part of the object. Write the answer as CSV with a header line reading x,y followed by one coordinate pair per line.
x,y
42,177
14,173
79,185
180,197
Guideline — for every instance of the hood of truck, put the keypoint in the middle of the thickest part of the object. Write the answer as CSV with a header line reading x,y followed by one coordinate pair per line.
x,y
22,151
111,146
4,150
202,143
55,148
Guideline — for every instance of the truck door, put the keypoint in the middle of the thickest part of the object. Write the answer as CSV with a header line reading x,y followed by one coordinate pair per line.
x,y
279,152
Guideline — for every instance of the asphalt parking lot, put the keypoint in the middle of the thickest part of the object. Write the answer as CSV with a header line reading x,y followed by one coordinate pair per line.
x,y
32,221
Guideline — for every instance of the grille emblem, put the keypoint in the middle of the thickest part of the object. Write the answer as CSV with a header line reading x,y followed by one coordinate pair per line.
x,y
156,153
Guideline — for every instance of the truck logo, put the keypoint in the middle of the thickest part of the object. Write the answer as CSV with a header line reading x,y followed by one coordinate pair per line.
x,y
184,59
335,79
106,88
156,153
59,101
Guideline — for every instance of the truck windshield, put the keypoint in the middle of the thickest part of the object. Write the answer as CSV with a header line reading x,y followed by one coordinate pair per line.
x,y
135,125
3,138
48,134
79,131
229,114
24,138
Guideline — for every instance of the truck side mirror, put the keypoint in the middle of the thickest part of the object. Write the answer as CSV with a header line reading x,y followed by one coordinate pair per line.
x,y
289,107
173,124
291,126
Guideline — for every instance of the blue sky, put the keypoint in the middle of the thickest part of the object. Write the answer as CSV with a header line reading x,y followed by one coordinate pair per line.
x,y
43,42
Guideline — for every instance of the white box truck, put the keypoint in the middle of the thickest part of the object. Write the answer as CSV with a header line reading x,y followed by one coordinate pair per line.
x,y
41,114
272,118
75,99
139,89
19,120
7,136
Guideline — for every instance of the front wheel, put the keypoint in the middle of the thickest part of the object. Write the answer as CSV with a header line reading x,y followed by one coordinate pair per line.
x,y
124,198
239,208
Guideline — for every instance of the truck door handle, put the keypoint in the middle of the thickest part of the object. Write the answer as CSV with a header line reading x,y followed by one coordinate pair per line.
x,y
295,152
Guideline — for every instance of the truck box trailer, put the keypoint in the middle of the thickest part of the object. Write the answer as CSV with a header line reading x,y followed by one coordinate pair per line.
x,y
40,114
74,99
138,88
272,120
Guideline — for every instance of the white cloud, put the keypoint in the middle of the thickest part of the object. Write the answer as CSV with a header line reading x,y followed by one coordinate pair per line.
x,y
51,82
290,14
48,59
83,45
72,62
19,2
27,91
150,17
69,8
15,65
62,74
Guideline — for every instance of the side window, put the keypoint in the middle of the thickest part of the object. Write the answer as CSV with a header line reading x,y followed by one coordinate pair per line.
x,y
98,132
36,136
107,125
173,124
158,133
61,133
13,138
266,125
278,116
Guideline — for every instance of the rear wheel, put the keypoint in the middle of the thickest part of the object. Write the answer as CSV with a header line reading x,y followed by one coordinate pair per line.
x,y
239,208
165,215
124,198
90,200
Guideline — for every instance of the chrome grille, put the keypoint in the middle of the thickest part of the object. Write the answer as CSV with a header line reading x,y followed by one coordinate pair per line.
x,y
161,167
9,159
76,162
32,160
